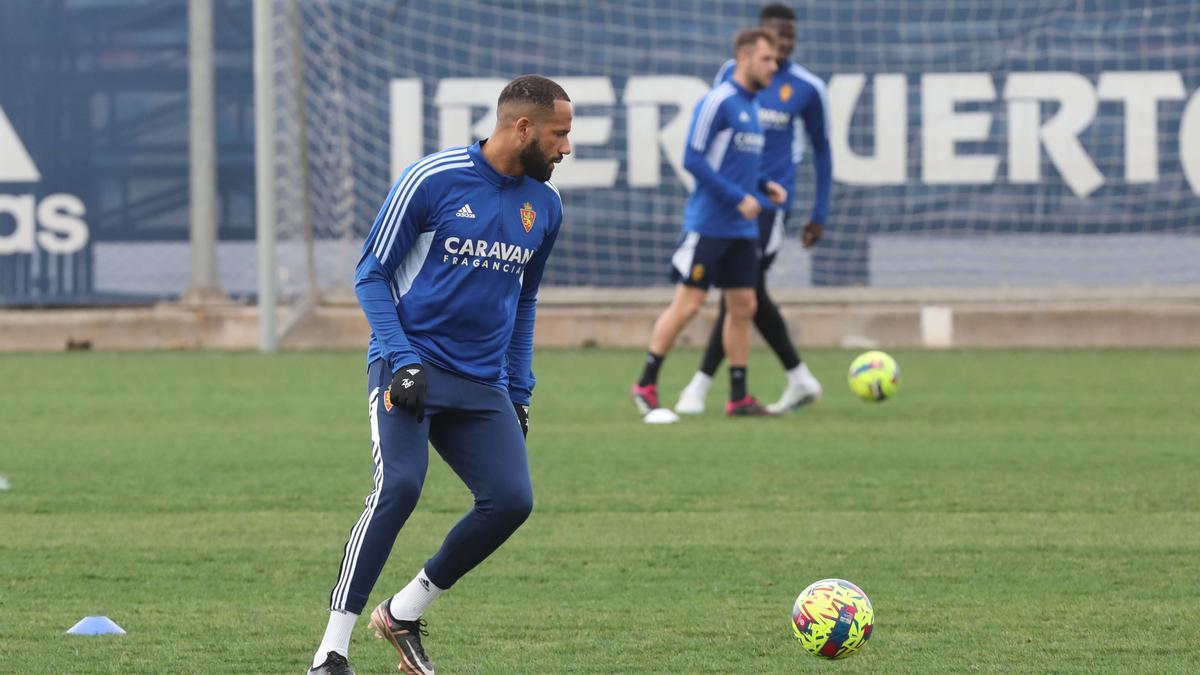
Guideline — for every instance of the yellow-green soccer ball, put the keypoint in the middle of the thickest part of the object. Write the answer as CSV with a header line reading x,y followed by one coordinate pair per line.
x,y
874,376
832,618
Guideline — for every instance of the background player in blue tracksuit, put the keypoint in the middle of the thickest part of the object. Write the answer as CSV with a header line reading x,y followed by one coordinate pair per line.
x,y
719,247
795,99
448,280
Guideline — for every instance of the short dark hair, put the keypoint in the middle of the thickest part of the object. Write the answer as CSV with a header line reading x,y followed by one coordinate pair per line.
x,y
776,11
748,37
534,90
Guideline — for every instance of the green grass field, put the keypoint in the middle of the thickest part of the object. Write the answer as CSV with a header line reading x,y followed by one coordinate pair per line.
x,y
1008,512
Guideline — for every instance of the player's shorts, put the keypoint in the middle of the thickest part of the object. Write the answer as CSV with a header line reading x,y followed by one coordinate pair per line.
x,y
770,235
704,262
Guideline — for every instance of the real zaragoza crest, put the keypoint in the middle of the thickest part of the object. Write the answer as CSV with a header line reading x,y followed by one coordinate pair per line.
x,y
528,215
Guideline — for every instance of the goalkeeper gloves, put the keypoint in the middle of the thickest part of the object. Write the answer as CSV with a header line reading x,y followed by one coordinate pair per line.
x,y
407,389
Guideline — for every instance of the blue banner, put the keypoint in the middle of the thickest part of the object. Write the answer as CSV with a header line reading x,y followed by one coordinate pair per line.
x,y
974,143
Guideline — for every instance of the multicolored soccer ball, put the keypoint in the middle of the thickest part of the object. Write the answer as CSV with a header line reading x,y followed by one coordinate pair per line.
x,y
832,618
874,376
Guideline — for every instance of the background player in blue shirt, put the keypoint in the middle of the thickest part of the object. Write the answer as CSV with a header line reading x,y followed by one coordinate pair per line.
x,y
448,280
795,98
720,239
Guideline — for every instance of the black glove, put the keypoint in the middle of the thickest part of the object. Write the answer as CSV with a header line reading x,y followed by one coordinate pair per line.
x,y
407,389
522,417
811,234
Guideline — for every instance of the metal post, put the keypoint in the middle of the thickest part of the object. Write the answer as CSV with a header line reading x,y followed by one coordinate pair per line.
x,y
264,174
202,150
301,104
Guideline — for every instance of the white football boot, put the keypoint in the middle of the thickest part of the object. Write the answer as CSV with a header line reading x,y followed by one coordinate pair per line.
x,y
691,399
802,389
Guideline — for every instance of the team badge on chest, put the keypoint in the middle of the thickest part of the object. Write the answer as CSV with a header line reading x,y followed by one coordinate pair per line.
x,y
528,215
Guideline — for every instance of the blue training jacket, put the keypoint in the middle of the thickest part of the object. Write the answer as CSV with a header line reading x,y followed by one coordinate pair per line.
x,y
796,97
450,272
724,153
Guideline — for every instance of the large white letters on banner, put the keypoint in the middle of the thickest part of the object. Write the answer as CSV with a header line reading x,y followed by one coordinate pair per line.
x,y
1059,135
942,127
60,216
955,109
1141,92
889,165
1189,142
644,98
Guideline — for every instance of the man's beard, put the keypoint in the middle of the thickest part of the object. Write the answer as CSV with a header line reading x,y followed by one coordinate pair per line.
x,y
766,81
534,162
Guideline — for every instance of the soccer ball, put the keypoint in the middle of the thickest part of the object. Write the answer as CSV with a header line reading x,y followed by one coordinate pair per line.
x,y
874,376
832,618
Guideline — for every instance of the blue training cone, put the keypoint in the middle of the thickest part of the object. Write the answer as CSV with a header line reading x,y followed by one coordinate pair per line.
x,y
96,625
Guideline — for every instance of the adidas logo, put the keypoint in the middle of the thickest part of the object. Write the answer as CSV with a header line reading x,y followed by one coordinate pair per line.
x,y
16,166
53,223
465,212
744,117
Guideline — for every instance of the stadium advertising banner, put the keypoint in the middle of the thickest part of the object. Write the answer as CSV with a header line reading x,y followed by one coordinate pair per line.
x,y
985,144
94,148
465,112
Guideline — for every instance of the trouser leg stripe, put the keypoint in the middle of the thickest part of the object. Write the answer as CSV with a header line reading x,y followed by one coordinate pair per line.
x,y
337,598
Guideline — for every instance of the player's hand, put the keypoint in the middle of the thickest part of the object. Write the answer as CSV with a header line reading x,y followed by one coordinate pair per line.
x,y
749,207
407,389
522,417
811,234
775,192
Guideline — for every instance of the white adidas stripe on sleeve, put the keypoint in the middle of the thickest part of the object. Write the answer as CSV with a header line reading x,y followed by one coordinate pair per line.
x,y
403,193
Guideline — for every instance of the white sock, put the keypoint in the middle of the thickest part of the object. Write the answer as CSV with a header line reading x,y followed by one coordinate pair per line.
x,y
700,382
412,601
799,373
337,636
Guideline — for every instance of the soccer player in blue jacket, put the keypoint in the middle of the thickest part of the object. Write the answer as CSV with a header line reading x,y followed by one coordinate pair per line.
x,y
448,280
795,99
720,240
